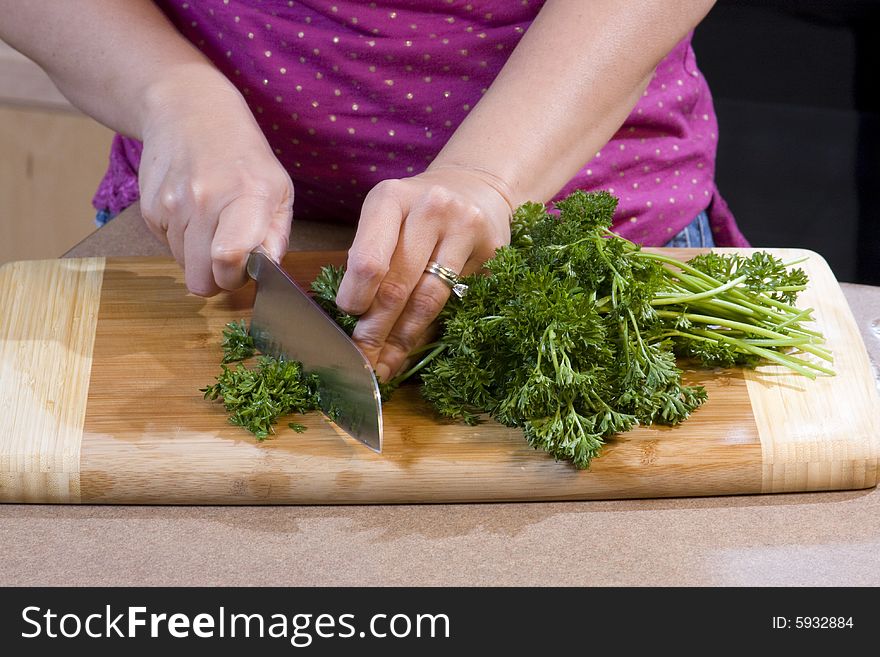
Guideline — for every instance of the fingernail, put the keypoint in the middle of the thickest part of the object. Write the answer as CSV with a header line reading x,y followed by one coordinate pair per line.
x,y
382,372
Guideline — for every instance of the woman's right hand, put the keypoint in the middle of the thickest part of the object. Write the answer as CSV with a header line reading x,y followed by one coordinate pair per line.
x,y
210,184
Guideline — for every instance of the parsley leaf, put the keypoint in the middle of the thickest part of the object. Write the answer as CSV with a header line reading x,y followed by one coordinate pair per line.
x,y
256,397
237,343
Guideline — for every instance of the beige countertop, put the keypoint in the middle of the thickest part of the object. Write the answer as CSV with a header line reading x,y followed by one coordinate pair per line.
x,y
823,539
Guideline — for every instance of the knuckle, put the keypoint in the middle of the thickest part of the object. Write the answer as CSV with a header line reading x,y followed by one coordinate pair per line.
x,y
286,187
193,196
226,254
392,294
356,306
489,246
200,196
271,190
366,266
437,198
368,337
262,187
399,344
370,341
470,219
497,242
425,305
171,200
388,187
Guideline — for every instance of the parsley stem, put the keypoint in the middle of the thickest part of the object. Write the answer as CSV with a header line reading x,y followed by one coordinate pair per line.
x,y
438,349
702,295
796,364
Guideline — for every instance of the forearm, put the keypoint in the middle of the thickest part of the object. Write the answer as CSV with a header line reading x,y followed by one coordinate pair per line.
x,y
116,60
568,86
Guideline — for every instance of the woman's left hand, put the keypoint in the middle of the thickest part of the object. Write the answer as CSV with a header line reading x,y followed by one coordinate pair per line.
x,y
454,216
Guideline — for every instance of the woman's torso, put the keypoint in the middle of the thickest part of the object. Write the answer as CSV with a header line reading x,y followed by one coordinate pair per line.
x,y
351,93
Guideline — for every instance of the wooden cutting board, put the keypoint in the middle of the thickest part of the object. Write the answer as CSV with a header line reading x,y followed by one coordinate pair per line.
x,y
101,361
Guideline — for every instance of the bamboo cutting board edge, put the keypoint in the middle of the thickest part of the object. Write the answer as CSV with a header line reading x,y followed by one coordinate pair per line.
x,y
58,473
40,450
812,459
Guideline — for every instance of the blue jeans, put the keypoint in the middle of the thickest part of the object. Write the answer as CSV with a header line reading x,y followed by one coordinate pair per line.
x,y
696,233
102,217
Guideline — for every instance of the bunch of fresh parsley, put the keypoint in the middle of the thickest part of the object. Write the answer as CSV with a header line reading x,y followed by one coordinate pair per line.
x,y
573,334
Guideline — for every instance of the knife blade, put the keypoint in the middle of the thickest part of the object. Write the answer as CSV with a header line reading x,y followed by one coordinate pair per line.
x,y
287,323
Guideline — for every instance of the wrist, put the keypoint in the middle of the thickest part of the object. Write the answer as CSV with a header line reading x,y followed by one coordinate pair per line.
x,y
490,178
193,88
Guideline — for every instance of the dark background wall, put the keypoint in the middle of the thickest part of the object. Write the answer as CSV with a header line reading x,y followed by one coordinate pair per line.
x,y
799,124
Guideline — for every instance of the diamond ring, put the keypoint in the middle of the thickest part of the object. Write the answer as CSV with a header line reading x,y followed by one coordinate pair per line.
x,y
449,277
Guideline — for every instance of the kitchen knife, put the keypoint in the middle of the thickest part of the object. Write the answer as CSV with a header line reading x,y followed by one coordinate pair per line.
x,y
287,323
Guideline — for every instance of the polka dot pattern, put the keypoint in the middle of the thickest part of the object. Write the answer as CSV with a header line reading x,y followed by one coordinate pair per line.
x,y
351,93
661,162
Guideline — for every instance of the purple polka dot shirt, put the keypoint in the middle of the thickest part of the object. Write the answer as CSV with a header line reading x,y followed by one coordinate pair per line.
x,y
351,93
